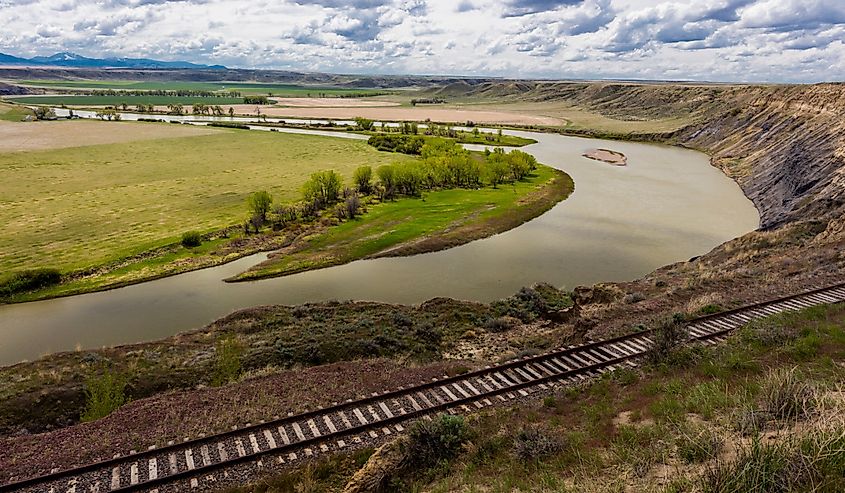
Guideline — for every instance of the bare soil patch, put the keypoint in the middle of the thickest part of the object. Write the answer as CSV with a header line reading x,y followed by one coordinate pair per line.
x,y
404,114
332,102
38,136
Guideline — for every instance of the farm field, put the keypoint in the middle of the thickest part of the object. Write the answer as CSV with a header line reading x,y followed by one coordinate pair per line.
x,y
78,207
62,134
117,99
282,90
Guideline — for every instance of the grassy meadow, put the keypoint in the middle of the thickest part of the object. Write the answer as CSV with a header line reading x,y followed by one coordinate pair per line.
x,y
118,99
80,207
246,88
466,214
13,113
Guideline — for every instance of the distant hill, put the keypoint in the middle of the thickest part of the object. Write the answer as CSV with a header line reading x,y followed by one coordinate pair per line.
x,y
67,59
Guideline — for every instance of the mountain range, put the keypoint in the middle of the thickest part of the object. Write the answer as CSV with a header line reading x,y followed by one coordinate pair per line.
x,y
67,59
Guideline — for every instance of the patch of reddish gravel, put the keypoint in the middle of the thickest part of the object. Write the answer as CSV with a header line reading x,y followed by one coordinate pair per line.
x,y
188,414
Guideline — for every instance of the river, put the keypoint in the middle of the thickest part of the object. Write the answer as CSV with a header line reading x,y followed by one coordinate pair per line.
x,y
667,205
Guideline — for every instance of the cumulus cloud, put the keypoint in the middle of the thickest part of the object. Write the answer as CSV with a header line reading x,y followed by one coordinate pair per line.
x,y
747,40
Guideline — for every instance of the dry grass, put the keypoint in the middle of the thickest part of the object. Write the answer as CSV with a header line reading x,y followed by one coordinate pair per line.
x,y
37,136
82,206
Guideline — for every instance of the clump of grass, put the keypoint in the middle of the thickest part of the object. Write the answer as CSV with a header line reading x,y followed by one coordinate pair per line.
x,y
748,421
787,395
104,393
227,364
533,443
812,460
698,444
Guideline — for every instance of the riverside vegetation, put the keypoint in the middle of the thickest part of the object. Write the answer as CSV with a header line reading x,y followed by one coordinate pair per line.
x,y
147,243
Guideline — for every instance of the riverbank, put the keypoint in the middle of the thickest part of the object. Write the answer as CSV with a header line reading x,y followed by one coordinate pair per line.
x,y
439,220
131,252
436,221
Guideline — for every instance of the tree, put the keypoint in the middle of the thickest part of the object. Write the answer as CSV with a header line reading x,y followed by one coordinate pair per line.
x,y
352,203
259,204
231,111
387,177
44,113
364,123
497,168
363,177
323,188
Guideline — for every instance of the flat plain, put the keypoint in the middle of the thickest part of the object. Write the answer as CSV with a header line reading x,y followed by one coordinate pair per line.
x,y
77,207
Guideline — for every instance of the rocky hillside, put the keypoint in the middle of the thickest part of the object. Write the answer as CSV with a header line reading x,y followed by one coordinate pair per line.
x,y
785,145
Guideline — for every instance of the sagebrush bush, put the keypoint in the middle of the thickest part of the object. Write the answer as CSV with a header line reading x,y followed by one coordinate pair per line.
x,y
499,324
533,443
191,239
438,440
668,335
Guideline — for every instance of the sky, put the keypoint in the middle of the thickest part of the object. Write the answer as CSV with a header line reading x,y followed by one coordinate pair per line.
x,y
705,40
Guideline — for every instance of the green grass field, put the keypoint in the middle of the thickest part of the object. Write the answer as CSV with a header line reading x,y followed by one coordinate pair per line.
x,y
79,207
119,99
393,223
13,113
281,90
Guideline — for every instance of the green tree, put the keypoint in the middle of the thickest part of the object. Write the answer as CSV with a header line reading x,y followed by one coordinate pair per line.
x,y
323,188
387,178
363,178
259,204
364,123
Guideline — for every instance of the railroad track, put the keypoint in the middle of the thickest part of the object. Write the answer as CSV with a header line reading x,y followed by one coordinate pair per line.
x,y
204,463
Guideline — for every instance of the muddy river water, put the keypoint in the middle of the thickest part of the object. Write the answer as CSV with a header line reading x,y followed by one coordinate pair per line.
x,y
668,204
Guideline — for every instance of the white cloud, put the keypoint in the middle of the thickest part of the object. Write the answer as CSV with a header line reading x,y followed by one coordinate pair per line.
x,y
742,40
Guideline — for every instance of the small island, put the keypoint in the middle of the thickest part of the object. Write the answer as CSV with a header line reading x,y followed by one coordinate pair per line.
x,y
606,155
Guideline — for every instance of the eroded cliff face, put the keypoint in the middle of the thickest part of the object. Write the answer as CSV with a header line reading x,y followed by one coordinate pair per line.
x,y
784,145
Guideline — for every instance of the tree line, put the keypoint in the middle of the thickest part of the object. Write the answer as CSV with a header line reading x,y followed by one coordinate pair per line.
x,y
443,165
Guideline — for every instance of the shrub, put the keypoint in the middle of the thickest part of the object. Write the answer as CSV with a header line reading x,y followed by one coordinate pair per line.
x,y
786,395
227,364
632,298
104,393
438,440
533,443
405,144
363,178
191,239
29,280
499,324
667,337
